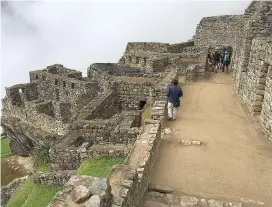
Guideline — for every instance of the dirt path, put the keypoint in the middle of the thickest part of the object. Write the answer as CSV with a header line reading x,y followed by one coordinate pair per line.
x,y
234,162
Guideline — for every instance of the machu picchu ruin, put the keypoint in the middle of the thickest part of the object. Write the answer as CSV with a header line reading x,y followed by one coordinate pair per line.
x,y
120,110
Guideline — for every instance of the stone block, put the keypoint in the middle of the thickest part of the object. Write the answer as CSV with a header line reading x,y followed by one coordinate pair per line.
x,y
80,194
187,201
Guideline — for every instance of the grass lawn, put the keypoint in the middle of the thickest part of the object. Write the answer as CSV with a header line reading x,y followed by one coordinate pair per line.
x,y
146,114
181,79
30,194
98,166
43,168
5,152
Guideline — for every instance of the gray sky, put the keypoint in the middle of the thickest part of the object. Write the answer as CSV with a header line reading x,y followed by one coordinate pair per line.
x,y
78,33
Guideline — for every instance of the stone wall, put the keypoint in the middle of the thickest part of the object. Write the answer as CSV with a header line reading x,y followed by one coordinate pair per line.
x,y
181,47
159,64
8,190
53,178
70,159
61,86
38,114
130,182
147,46
217,30
103,107
251,62
132,91
255,90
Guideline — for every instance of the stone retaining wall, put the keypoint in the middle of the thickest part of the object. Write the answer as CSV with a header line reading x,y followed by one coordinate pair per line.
x,y
70,159
53,178
8,190
130,182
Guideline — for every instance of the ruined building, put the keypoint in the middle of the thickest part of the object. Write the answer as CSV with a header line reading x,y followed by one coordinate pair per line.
x,y
101,114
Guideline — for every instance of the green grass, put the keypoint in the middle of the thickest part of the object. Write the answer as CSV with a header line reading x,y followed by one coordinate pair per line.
x,y
5,151
30,194
146,114
44,168
98,166
181,79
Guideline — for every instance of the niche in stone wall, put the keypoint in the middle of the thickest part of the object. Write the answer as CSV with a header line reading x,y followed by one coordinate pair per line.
x,y
137,60
144,62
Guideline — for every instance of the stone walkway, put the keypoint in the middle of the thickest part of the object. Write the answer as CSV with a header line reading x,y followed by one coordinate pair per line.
x,y
233,162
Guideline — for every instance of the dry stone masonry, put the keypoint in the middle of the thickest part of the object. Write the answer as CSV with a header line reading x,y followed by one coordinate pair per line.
x,y
101,114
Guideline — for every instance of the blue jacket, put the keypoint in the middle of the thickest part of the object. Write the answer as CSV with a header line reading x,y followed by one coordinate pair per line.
x,y
173,93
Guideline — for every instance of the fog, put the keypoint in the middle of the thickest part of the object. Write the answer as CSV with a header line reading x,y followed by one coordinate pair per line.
x,y
79,33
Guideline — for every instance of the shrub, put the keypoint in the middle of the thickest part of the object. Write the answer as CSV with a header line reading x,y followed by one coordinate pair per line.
x,y
41,152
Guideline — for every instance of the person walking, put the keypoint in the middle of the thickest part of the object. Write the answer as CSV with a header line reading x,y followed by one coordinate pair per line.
x,y
216,58
226,61
173,92
222,54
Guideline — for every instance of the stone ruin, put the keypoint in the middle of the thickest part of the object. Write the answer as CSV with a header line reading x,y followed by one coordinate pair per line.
x,y
101,114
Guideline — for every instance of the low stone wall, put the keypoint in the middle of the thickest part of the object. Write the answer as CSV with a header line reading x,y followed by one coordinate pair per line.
x,y
130,182
190,74
53,178
8,190
70,159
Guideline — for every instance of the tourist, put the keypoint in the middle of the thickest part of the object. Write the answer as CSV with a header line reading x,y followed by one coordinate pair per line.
x,y
226,61
222,54
173,93
216,58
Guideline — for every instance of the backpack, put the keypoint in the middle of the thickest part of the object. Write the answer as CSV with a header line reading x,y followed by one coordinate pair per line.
x,y
216,55
226,58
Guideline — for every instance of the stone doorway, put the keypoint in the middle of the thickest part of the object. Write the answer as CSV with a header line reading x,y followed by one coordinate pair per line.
x,y
209,63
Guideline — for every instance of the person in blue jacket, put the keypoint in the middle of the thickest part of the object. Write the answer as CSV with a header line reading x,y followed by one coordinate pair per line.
x,y
173,92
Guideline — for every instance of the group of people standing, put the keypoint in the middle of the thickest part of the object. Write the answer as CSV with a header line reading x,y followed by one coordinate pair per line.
x,y
220,60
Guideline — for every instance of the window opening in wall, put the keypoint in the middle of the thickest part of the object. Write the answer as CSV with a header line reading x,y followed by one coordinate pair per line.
x,y
64,84
56,81
144,61
73,86
137,60
141,104
20,90
43,77
37,77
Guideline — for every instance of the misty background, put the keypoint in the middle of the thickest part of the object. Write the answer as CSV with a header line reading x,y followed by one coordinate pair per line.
x,y
79,33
